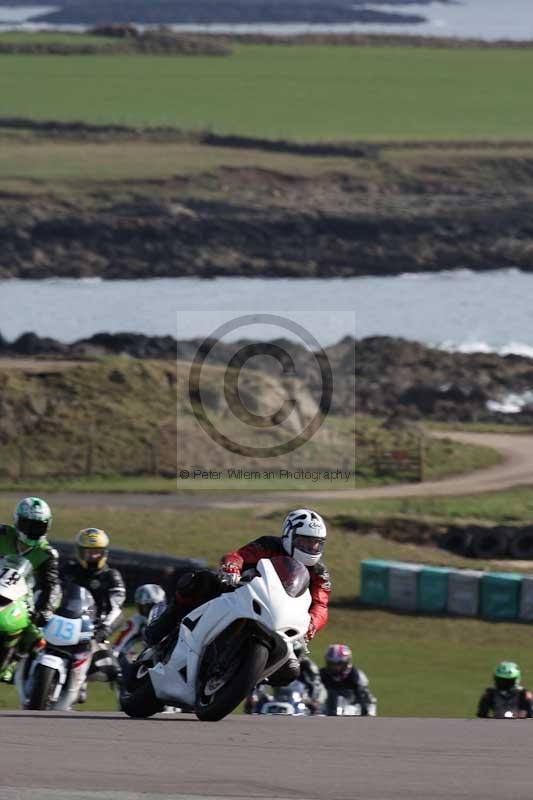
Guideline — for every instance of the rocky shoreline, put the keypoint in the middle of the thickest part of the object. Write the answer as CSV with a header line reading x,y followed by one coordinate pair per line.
x,y
368,210
395,379
204,12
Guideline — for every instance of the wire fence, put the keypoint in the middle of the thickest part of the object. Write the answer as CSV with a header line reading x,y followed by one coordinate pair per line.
x,y
157,459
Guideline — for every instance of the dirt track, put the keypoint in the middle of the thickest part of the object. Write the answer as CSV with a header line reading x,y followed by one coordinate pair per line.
x,y
516,469
266,757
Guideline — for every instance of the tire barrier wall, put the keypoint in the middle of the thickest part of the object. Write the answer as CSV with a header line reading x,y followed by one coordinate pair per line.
x,y
500,541
471,540
424,589
138,568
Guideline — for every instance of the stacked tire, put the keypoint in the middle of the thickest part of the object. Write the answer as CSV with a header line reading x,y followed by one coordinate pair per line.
x,y
500,541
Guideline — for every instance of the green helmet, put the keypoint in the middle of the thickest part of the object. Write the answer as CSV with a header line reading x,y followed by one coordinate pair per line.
x,y
33,520
506,675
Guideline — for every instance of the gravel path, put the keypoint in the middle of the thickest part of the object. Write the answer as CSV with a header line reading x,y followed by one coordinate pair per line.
x,y
516,469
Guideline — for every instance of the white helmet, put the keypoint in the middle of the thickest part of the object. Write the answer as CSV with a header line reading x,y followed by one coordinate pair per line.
x,y
147,595
32,518
303,536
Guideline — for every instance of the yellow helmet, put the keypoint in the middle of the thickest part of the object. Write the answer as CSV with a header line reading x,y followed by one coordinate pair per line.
x,y
91,548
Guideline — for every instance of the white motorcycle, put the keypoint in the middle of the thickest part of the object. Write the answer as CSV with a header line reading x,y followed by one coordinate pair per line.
x,y
226,646
287,701
52,680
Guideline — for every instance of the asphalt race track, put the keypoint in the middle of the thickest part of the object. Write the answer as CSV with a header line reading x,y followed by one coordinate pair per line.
x,y
90,756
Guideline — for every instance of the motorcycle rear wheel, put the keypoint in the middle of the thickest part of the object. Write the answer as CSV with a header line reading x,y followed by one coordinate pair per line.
x,y
218,705
44,683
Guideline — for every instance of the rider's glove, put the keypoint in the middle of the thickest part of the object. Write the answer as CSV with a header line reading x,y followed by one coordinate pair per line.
x,y
37,646
229,574
40,618
311,631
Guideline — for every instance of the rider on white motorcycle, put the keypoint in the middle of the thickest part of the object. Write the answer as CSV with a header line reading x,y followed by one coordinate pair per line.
x,y
303,537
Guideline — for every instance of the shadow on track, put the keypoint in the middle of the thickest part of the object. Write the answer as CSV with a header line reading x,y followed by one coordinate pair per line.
x,y
84,715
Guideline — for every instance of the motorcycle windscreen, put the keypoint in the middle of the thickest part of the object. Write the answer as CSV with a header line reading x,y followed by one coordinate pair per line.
x,y
75,602
292,574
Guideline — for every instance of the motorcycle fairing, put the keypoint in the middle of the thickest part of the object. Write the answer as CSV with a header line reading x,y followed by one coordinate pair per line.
x,y
263,600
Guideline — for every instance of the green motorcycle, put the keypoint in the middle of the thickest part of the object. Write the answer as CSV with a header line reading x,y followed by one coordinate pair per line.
x,y
15,604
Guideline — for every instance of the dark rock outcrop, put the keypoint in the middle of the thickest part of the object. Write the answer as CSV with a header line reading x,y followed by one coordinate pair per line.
x,y
380,376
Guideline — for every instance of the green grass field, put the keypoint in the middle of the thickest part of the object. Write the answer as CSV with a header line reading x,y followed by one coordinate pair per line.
x,y
511,506
310,92
418,666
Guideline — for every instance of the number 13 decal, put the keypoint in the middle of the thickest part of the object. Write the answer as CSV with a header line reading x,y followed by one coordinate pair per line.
x,y
64,629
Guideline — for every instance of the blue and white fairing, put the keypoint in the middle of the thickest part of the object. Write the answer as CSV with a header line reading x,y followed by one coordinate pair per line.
x,y
277,599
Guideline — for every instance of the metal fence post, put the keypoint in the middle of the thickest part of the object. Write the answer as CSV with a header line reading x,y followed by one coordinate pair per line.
x,y
422,459
89,453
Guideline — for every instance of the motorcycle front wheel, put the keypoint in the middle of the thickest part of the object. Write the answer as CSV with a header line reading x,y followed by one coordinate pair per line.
x,y
44,684
141,702
213,706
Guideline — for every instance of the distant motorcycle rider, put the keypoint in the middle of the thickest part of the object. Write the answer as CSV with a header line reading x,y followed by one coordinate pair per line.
x,y
146,597
314,692
341,678
303,537
91,570
507,696
310,677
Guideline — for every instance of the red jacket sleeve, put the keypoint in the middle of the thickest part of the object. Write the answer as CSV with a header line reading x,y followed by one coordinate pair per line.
x,y
320,591
251,553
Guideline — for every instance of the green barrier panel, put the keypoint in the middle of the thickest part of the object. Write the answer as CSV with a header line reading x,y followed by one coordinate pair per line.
x,y
403,583
463,592
375,582
500,595
432,590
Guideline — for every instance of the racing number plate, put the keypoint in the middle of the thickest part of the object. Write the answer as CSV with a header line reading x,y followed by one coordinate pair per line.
x,y
62,631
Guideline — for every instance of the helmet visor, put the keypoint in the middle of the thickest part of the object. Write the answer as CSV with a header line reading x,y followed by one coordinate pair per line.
x,y
309,544
145,608
336,667
32,528
504,684
92,555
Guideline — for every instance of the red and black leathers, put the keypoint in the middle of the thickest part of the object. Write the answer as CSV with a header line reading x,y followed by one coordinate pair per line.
x,y
517,700
194,588
268,546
